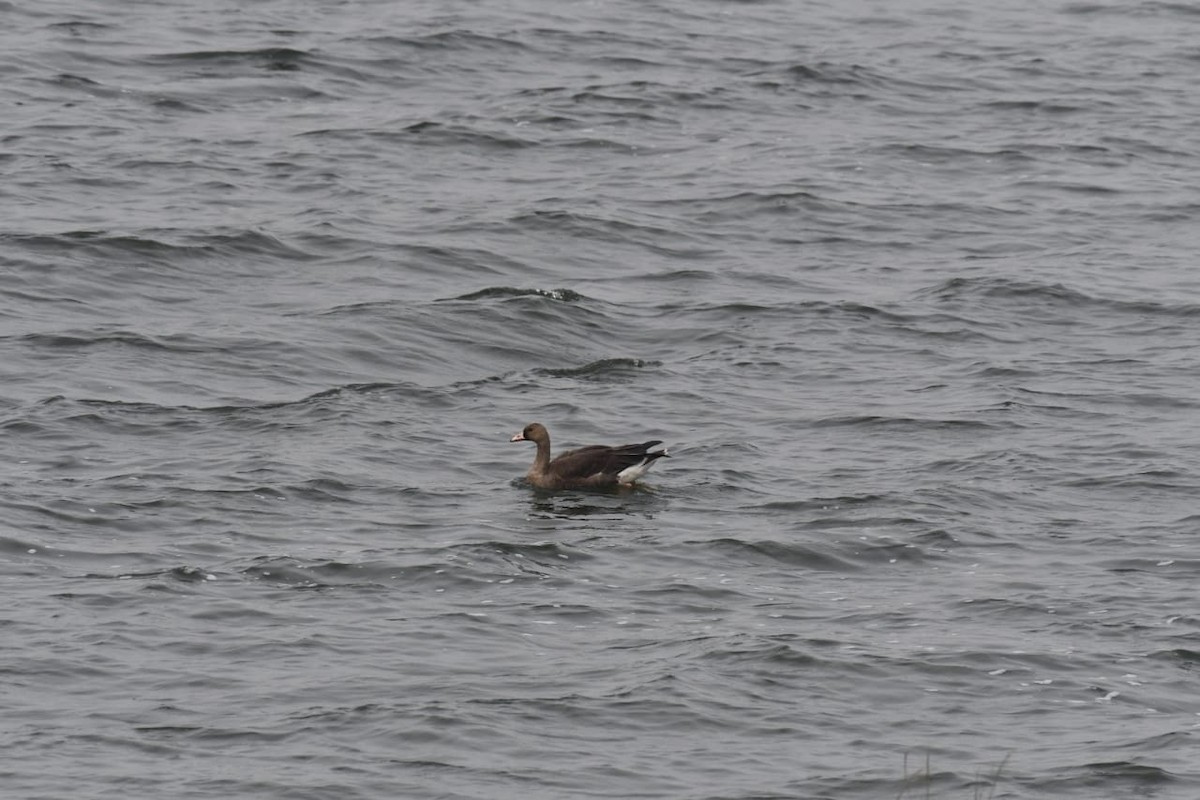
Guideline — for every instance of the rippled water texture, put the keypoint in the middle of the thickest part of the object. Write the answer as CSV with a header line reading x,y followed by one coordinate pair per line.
x,y
908,289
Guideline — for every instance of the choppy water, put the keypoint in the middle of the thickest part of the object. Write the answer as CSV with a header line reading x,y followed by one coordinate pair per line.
x,y
908,288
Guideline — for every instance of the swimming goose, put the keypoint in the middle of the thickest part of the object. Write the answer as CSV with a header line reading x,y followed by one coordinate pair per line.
x,y
596,466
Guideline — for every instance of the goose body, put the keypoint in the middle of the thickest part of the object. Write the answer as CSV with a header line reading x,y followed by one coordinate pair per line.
x,y
596,466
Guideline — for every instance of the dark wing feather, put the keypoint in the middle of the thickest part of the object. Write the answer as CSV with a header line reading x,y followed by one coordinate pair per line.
x,y
599,459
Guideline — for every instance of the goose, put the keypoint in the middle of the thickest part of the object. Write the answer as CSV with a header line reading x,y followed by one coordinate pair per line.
x,y
596,466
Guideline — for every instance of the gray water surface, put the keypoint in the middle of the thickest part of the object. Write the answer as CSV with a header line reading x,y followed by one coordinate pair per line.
x,y
909,290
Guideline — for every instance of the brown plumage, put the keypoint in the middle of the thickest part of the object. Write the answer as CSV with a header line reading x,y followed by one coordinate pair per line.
x,y
596,466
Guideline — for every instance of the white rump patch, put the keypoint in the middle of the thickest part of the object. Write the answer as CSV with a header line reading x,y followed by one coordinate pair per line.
x,y
631,474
